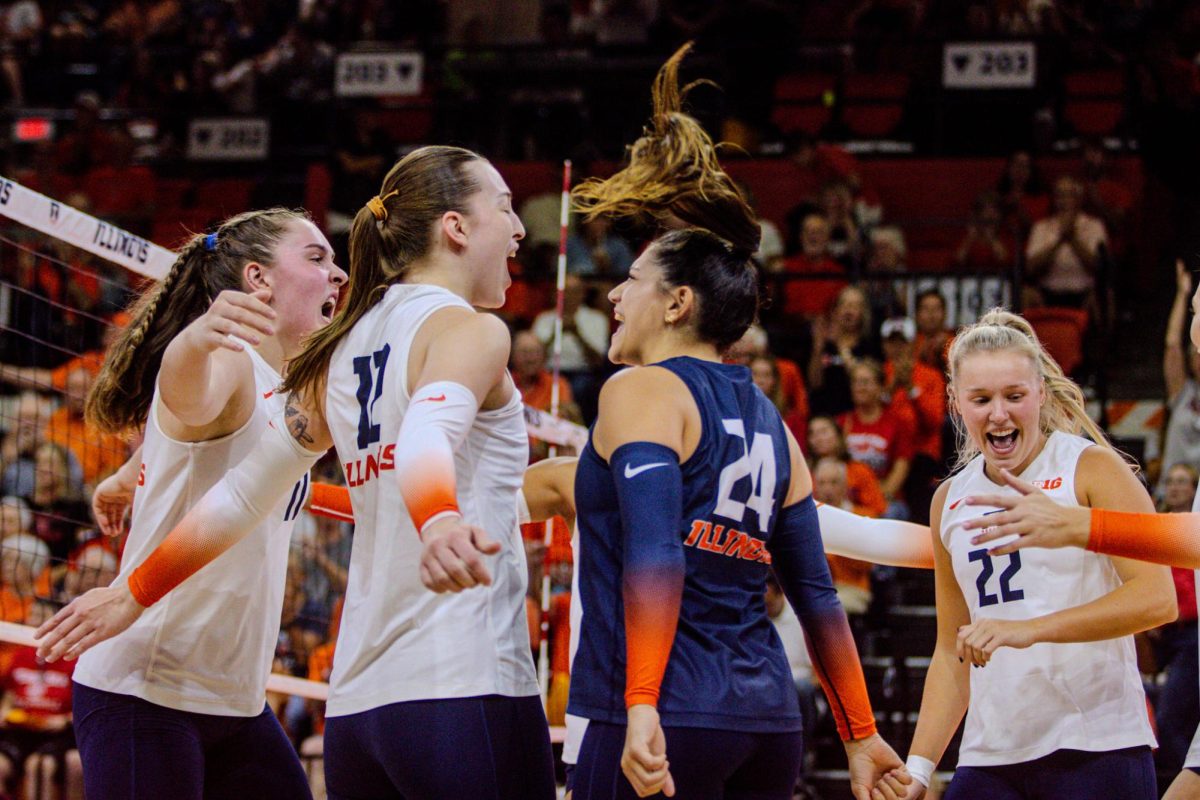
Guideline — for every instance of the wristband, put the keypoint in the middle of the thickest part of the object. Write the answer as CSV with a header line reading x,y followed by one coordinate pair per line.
x,y
921,769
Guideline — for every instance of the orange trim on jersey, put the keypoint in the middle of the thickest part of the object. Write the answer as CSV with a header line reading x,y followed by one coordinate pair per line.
x,y
1171,539
329,500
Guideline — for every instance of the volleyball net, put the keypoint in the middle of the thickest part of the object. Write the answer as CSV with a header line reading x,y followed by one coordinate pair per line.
x,y
65,278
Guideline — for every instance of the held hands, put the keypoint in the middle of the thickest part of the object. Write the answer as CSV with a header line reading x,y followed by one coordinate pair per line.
x,y
111,501
233,313
897,784
1033,517
870,760
976,642
452,556
644,759
86,621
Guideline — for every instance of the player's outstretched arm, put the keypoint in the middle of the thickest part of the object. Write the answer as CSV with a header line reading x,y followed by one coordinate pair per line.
x,y
1038,521
227,512
881,541
1145,599
799,561
549,489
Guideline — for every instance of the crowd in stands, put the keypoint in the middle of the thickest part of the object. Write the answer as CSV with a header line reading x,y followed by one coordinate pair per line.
x,y
851,347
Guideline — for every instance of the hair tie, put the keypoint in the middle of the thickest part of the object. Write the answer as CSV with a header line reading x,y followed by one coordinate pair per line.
x,y
376,206
210,242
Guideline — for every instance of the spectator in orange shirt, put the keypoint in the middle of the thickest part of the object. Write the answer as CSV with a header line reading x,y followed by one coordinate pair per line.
x,y
23,559
915,388
527,365
529,373
825,440
764,370
933,339
877,435
791,381
918,392
851,578
45,379
98,453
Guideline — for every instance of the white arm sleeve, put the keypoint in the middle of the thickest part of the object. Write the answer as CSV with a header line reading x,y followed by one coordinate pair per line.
x,y
880,541
228,511
437,421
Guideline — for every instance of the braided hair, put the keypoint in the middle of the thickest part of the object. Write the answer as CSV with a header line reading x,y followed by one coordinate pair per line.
x,y
203,268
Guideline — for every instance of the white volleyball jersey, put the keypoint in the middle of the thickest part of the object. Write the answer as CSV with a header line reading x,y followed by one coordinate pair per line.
x,y
1028,703
1193,755
398,640
207,646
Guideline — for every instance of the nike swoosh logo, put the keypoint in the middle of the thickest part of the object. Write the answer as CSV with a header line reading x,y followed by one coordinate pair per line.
x,y
633,472
956,503
437,399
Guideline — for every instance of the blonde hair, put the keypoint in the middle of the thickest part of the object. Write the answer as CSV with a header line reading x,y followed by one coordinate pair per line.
x,y
998,331
673,171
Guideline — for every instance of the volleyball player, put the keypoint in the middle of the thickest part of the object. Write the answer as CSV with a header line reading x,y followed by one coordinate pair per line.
x,y
1056,707
1037,521
683,504
433,694
549,490
175,706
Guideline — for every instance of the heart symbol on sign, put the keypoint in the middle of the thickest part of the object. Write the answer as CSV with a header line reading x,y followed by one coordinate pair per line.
x,y
405,69
961,61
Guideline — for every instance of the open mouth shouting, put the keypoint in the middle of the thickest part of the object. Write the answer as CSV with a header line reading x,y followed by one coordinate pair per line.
x,y
1003,442
329,307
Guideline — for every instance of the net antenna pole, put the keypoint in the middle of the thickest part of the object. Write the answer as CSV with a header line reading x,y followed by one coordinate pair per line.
x,y
555,369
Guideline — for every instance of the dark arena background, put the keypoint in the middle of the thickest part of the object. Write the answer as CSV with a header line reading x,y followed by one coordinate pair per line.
x,y
913,163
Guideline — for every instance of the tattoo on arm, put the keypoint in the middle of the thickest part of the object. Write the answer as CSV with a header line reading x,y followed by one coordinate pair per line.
x,y
297,424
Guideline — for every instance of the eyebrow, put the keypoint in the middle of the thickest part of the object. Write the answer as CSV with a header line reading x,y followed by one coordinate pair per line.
x,y
318,246
1008,388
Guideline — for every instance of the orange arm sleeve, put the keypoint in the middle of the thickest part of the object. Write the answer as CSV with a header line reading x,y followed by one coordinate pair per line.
x,y
1171,539
330,500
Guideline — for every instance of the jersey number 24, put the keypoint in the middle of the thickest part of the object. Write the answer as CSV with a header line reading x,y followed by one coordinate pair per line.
x,y
757,463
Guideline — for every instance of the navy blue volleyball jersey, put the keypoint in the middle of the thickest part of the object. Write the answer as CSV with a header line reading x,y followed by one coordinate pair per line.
x,y
727,668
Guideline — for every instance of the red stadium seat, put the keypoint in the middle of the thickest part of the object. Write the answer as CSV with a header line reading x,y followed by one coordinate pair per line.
x,y
802,102
1093,117
1097,83
874,104
226,196
1094,101
1061,331
809,118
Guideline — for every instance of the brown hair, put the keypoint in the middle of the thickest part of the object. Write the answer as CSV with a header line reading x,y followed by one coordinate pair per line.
x,y
1000,330
203,268
416,192
673,171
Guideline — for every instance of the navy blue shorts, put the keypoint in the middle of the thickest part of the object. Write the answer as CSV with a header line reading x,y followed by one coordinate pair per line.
x,y
706,764
473,748
136,750
1062,775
